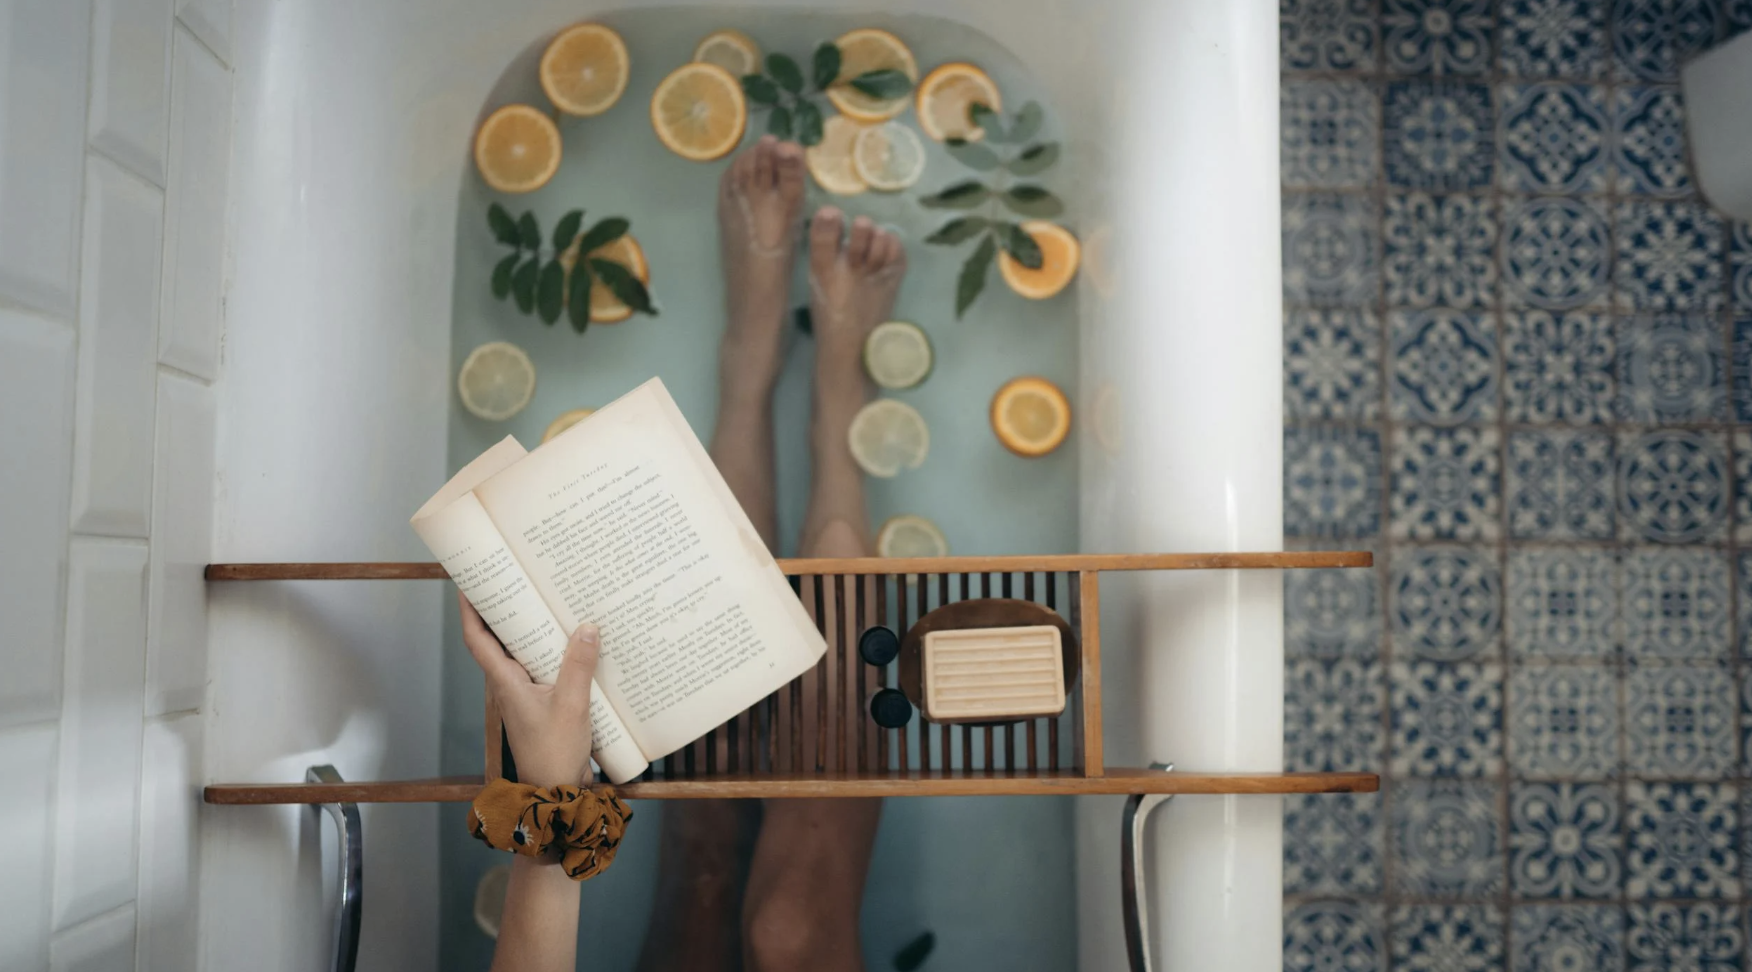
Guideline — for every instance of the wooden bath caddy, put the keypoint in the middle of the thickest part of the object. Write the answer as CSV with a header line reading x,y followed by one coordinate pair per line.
x,y
815,737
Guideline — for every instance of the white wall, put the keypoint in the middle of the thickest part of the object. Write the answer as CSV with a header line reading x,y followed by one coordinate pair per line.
x,y
115,132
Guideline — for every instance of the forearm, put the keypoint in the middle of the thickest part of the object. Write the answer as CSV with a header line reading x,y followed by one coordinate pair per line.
x,y
539,931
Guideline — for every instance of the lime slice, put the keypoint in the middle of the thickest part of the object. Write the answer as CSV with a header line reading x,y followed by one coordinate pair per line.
x,y
908,535
566,420
897,354
889,156
497,381
887,436
489,903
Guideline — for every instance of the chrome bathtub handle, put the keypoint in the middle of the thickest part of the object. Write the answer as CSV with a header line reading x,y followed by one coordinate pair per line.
x,y
349,902
1133,891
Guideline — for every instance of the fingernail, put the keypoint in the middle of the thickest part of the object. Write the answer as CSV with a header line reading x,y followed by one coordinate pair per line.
x,y
587,632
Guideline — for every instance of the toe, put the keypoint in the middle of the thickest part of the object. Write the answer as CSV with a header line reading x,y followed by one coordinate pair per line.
x,y
888,252
788,163
863,234
824,238
741,169
763,161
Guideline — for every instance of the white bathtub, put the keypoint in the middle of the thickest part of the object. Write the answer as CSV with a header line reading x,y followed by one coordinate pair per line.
x,y
350,115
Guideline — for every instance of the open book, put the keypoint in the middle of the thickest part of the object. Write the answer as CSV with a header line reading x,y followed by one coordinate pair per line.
x,y
623,521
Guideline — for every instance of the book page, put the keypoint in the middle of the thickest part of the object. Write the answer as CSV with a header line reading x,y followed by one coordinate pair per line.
x,y
623,520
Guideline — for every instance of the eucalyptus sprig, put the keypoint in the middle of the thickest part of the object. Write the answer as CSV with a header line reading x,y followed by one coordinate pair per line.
x,y
537,280
996,195
793,113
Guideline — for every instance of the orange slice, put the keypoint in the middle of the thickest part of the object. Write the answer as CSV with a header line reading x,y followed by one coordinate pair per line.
x,y
566,420
831,161
1059,256
584,70
699,112
517,149
731,50
605,307
945,95
862,51
1031,416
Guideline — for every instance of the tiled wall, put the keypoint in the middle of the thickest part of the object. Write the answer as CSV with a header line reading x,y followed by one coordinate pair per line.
x,y
1518,365
115,127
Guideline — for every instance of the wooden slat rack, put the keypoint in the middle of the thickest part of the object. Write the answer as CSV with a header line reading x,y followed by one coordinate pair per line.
x,y
814,737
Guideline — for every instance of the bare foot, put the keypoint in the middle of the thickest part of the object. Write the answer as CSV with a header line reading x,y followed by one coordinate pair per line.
x,y
760,200
853,279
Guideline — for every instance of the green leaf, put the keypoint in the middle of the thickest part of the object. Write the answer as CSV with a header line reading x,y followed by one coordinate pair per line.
x,y
973,276
959,230
626,288
826,64
1035,158
606,231
981,115
804,320
913,955
1021,246
974,155
1032,200
779,123
1027,123
504,227
567,229
502,275
883,83
786,72
808,122
578,301
962,195
523,284
760,89
531,233
550,291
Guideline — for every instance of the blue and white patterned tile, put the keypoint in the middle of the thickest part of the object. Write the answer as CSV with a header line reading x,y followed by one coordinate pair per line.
x,y
1332,715
1556,253
1331,614
1679,721
1333,844
1741,351
1326,35
1681,840
1447,719
1552,138
1329,249
1563,721
1439,250
1552,38
1332,482
1328,131
1564,840
1743,580
1740,256
1742,439
1746,833
1651,38
1738,17
1454,938
1445,484
1558,367
1746,747
1335,936
1560,485
1437,135
1702,937
1563,604
1674,602
1444,367
1673,486
1649,142
1446,838
1671,369
1332,365
1669,256
1436,36
1445,604
1567,938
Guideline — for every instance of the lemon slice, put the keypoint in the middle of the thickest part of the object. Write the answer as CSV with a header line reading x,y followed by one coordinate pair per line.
x,y
496,381
489,903
862,51
584,70
699,112
909,535
731,50
566,420
887,436
517,149
897,354
1031,416
888,156
1060,255
946,94
830,160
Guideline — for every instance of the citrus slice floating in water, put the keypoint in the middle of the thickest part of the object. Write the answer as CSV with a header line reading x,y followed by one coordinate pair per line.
x,y
699,112
496,382
1060,255
830,160
910,535
517,149
605,307
584,70
862,51
946,94
1031,416
887,436
888,157
566,420
731,50
897,354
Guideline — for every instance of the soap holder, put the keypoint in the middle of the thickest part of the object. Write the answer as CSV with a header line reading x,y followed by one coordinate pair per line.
x,y
973,647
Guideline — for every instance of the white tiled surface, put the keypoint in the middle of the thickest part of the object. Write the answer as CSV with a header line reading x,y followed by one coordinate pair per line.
x,y
27,762
43,50
182,543
194,241
99,769
170,805
118,311
130,83
104,944
210,20
36,431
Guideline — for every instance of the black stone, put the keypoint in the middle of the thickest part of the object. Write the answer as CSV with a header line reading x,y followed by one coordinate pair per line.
x,y
878,645
890,708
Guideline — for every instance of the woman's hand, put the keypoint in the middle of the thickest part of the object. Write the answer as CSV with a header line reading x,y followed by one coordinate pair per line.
x,y
549,725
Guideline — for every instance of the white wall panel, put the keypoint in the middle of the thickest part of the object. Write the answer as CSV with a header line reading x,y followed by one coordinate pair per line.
x,y
194,232
170,807
27,764
130,82
104,944
182,546
210,20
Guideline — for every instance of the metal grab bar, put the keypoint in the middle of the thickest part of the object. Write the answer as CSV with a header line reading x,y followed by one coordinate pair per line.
x,y
349,902
1133,891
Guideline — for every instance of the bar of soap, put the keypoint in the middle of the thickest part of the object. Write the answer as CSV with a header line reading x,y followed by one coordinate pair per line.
x,y
993,674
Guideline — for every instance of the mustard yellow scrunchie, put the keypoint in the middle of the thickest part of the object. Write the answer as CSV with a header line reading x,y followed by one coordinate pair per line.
x,y
583,826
